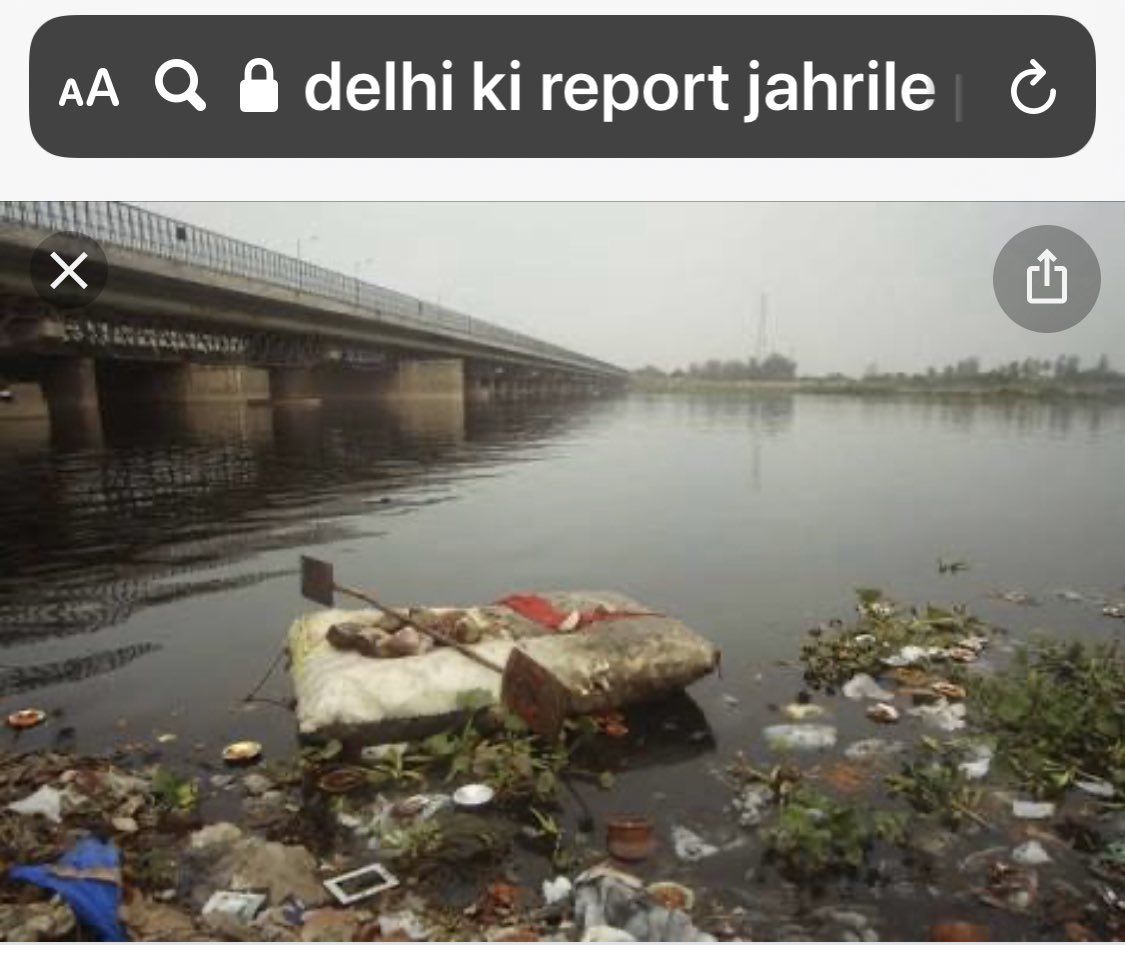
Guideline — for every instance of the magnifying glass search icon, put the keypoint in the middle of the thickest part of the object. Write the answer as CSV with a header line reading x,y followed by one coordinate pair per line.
x,y
189,95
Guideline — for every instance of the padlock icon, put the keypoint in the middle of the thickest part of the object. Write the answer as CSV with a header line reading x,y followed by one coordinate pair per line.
x,y
258,95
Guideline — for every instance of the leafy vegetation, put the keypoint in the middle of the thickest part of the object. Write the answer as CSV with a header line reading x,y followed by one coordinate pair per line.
x,y
1058,714
172,791
936,786
815,836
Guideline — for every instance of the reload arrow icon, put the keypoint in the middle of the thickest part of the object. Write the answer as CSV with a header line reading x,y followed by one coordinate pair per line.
x,y
1034,74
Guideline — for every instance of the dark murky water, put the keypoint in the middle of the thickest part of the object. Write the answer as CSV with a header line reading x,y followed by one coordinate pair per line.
x,y
147,574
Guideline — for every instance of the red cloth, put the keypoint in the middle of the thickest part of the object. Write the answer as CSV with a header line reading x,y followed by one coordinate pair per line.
x,y
541,612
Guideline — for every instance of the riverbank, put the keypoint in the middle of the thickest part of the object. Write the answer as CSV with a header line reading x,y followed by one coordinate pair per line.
x,y
981,800
1046,391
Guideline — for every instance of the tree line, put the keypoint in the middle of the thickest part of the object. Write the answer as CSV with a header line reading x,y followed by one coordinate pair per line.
x,y
773,367
1063,369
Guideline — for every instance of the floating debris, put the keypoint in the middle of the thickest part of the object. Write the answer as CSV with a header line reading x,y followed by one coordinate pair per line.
x,y
689,846
474,795
941,715
977,761
949,690
1030,853
337,781
910,655
800,737
871,749
630,838
883,713
974,643
26,718
1010,888
1095,787
800,711
952,566
1033,810
863,686
242,753
1015,597
751,804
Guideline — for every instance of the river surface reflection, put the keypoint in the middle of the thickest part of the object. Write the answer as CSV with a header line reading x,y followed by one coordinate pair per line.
x,y
148,571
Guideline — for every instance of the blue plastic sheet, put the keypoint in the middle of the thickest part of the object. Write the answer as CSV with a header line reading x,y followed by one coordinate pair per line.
x,y
87,879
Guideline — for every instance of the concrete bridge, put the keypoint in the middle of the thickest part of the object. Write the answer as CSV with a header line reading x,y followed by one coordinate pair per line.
x,y
191,315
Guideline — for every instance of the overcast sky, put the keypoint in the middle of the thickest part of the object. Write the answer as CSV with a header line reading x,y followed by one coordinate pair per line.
x,y
900,285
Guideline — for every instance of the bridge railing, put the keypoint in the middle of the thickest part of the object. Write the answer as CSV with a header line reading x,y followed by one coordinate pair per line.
x,y
135,228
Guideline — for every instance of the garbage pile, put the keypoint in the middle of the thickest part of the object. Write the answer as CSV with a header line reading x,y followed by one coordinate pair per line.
x,y
914,774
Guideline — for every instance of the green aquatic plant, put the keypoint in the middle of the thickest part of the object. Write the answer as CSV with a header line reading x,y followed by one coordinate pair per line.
x,y
1058,714
173,791
515,762
815,836
937,786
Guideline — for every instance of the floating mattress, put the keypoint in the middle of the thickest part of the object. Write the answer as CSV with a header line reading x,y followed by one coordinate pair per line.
x,y
611,653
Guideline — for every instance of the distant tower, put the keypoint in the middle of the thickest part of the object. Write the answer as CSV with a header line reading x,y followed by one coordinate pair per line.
x,y
763,313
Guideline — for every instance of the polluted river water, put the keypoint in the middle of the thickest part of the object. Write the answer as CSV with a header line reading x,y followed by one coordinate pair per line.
x,y
148,575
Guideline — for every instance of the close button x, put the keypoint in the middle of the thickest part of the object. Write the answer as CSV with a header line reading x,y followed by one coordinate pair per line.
x,y
68,270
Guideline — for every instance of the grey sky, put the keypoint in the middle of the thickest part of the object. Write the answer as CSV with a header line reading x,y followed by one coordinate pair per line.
x,y
901,285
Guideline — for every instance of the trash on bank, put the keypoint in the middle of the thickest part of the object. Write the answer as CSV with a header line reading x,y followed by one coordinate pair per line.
x,y
611,905
672,895
36,921
88,879
46,801
800,737
242,907
361,883
557,890
621,653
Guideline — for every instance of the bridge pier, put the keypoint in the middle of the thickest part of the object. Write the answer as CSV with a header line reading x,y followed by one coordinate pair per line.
x,y
156,382
426,377
70,387
296,385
